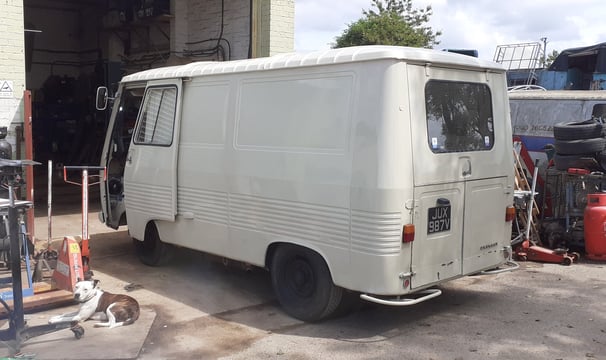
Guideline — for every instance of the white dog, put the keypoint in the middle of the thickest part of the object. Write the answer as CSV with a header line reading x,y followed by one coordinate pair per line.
x,y
114,309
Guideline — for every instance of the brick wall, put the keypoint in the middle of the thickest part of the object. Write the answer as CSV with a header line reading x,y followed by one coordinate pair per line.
x,y
197,26
282,26
12,66
275,26
204,27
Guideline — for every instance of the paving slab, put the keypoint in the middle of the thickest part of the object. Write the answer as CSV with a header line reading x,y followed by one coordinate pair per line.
x,y
123,342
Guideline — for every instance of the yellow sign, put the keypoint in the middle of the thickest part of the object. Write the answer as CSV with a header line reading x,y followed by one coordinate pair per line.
x,y
74,248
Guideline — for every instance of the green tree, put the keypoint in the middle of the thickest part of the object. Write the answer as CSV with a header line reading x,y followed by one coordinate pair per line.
x,y
392,22
550,59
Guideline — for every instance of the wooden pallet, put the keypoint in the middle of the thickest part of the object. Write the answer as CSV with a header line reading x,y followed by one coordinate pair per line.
x,y
44,298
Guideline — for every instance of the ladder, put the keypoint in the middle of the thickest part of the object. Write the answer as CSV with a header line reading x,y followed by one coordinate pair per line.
x,y
523,188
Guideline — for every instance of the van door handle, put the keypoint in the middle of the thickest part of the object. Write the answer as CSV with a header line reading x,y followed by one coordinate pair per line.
x,y
467,172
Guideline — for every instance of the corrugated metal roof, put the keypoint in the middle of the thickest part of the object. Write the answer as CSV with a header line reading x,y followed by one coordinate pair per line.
x,y
333,56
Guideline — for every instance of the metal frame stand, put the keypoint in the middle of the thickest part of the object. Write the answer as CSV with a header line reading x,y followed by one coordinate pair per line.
x,y
22,206
18,331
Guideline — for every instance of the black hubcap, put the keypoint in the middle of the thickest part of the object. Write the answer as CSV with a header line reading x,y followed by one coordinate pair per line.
x,y
300,278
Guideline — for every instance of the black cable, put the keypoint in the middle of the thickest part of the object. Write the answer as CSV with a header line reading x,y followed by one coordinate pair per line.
x,y
222,20
250,28
218,48
53,51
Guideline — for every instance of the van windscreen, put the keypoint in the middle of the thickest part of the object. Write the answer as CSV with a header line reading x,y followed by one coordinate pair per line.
x,y
459,116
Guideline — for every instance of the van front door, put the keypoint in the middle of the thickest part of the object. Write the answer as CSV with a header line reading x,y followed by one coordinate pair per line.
x,y
458,181
150,176
115,150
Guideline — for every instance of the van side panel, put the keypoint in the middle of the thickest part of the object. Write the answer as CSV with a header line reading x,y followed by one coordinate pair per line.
x,y
290,164
381,185
203,186
253,169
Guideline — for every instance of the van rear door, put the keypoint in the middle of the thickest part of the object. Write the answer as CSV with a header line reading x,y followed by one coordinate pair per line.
x,y
460,172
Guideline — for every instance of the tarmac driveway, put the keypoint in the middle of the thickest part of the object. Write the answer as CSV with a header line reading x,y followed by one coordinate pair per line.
x,y
207,310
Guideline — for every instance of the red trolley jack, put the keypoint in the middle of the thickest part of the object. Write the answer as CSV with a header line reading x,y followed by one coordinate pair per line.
x,y
526,251
84,246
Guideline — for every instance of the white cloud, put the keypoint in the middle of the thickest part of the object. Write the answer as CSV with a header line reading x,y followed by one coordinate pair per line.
x,y
478,24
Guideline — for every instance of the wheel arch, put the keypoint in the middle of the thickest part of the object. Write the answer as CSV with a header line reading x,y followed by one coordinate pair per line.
x,y
271,249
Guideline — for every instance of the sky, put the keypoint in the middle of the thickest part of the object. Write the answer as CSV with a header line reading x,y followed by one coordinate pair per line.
x,y
468,24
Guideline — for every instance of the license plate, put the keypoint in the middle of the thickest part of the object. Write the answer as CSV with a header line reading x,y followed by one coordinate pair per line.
x,y
438,219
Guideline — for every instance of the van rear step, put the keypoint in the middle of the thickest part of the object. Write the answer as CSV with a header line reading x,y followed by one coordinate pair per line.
x,y
397,301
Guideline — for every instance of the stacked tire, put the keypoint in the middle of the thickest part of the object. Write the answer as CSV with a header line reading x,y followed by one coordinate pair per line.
x,y
580,145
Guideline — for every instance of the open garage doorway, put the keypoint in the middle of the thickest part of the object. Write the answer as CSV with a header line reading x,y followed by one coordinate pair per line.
x,y
74,47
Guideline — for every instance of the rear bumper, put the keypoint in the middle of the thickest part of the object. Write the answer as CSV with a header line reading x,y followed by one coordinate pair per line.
x,y
424,295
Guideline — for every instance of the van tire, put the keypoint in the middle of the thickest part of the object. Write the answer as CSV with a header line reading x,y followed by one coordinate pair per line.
x,y
302,283
587,129
581,146
152,251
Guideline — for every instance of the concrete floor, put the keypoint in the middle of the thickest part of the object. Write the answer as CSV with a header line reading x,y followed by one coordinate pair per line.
x,y
97,343
198,308
184,293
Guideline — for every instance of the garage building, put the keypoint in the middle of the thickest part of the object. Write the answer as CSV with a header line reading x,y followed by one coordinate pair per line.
x,y
61,50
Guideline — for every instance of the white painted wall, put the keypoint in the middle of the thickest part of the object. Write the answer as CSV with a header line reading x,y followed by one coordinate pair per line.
x,y
282,26
12,66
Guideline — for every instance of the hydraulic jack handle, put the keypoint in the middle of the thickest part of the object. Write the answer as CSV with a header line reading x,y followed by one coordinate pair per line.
x,y
85,250
84,169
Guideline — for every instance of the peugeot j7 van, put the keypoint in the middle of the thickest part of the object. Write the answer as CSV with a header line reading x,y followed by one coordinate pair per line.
x,y
375,172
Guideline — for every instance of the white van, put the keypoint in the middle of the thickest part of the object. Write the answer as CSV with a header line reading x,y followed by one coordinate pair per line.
x,y
535,112
367,171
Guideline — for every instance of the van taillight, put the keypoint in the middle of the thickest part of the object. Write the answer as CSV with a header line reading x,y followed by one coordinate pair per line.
x,y
510,213
408,233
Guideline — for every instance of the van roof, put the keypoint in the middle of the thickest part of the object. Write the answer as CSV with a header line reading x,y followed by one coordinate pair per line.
x,y
557,95
332,56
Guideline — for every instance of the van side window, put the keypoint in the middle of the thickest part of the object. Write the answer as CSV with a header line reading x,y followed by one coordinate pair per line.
x,y
459,116
157,117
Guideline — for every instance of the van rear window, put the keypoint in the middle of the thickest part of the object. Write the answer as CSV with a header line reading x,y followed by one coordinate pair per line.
x,y
459,116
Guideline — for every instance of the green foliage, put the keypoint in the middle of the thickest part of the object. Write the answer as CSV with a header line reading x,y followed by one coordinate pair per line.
x,y
392,22
550,59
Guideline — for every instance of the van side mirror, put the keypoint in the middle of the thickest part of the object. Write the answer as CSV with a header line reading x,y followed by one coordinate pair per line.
x,y
101,102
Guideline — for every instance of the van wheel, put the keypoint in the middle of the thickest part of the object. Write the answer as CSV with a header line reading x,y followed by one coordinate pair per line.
x,y
152,251
302,283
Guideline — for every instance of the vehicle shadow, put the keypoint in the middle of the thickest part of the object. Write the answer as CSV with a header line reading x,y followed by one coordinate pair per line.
x,y
536,309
